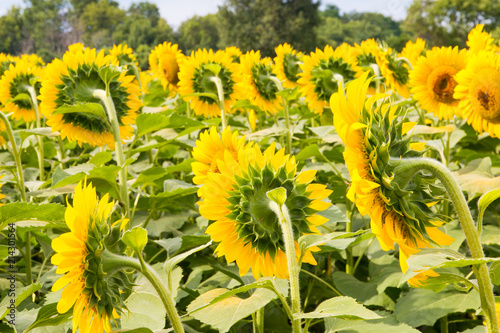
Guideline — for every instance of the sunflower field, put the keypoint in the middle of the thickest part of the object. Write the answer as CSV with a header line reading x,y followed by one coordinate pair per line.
x,y
352,189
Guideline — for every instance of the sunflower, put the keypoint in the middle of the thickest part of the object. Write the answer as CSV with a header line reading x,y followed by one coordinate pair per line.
x,y
5,62
210,148
1,176
479,40
70,82
373,134
245,226
15,82
33,59
286,65
413,50
94,297
164,61
233,52
433,80
2,128
195,77
395,72
124,56
478,89
368,56
257,83
322,72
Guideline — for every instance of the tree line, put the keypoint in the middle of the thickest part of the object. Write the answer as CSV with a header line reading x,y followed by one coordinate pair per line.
x,y
47,27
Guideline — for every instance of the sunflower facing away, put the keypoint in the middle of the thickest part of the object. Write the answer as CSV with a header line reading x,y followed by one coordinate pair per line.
x,y
69,83
245,226
433,80
368,56
478,89
195,77
322,72
164,61
14,82
372,134
286,65
94,297
395,72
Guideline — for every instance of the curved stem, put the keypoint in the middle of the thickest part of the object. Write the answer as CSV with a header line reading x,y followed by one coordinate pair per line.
x,y
120,158
17,156
406,61
220,94
293,267
113,262
278,84
322,281
40,152
407,168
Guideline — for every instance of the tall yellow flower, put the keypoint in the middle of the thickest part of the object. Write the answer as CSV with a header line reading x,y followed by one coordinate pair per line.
x,y
245,226
395,72
164,61
5,62
123,55
433,80
210,148
14,82
413,50
256,83
479,40
478,89
195,75
70,82
233,52
368,56
286,65
87,289
372,135
322,72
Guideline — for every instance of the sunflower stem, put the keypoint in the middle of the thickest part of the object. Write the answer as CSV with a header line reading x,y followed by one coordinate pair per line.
x,y
277,204
120,158
349,265
278,84
220,95
17,156
406,61
407,168
258,321
39,138
113,262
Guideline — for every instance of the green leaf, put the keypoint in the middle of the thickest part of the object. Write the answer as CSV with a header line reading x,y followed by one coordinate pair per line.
x,y
221,309
388,324
90,109
244,104
109,72
149,176
20,97
424,307
438,258
135,330
49,316
150,122
21,294
278,195
495,273
477,177
438,283
42,131
308,152
184,166
308,241
170,263
136,238
23,211
101,158
146,310
177,121
484,201
342,307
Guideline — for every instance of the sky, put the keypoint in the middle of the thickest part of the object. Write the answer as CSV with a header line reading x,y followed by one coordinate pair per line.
x,y
177,11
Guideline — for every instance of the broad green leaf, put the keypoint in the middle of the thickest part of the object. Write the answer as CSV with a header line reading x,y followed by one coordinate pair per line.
x,y
424,307
192,241
244,104
342,307
177,121
4,252
221,309
438,283
136,238
308,152
477,177
495,273
75,174
490,235
135,330
334,214
49,316
89,109
23,211
146,310
149,176
20,295
388,324
150,122
109,72
385,272
438,258
101,158
278,195
20,97
214,68
43,131
184,166
308,241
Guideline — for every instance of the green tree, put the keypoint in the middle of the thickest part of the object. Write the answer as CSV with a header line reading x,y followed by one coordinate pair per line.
x,y
11,26
264,24
448,22
98,22
198,32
